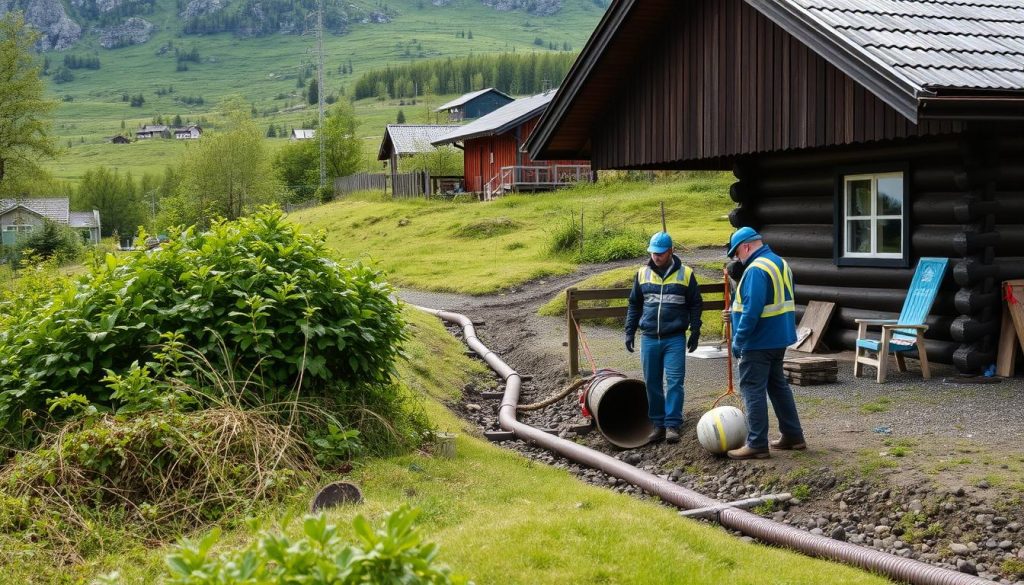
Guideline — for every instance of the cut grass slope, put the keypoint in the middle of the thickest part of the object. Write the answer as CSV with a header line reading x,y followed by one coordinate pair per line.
x,y
481,248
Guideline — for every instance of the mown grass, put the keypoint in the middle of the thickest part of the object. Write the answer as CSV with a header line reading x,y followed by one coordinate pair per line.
x,y
502,519
418,241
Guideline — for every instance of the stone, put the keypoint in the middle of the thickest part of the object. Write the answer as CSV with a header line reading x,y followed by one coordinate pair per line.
x,y
958,549
838,533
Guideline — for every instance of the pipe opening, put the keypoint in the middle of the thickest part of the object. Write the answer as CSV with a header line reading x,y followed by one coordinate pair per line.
x,y
619,407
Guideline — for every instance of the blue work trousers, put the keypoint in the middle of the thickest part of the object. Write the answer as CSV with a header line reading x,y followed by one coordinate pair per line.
x,y
664,358
761,376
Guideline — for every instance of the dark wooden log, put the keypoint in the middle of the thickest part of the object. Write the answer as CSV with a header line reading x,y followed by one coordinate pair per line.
x,y
972,301
1011,206
1010,177
938,176
967,329
938,350
807,241
805,184
821,271
972,270
935,208
875,299
972,358
1010,238
938,325
744,215
793,210
950,240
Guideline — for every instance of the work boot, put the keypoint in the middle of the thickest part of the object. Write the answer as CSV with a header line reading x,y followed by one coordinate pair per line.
x,y
657,435
748,452
787,444
672,435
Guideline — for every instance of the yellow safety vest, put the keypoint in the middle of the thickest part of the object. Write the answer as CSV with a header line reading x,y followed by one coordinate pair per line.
x,y
782,283
647,275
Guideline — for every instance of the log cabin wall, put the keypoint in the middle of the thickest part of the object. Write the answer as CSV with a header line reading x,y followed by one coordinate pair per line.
x,y
966,202
723,80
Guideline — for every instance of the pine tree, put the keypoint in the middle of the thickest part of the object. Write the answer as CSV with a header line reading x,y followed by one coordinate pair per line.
x,y
401,117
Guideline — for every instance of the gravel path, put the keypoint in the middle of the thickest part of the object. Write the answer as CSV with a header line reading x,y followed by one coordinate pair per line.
x,y
930,469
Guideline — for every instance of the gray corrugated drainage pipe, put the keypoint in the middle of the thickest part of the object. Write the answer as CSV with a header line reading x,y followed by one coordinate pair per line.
x,y
899,568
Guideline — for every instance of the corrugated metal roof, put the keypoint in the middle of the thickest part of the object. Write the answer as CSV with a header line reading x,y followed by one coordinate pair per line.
x,y
465,98
504,118
83,219
54,208
411,138
976,44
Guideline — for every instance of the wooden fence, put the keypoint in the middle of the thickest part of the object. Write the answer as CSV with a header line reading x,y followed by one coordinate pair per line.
x,y
575,313
411,185
360,182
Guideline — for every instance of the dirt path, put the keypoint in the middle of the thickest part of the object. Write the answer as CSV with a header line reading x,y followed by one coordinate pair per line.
x,y
934,468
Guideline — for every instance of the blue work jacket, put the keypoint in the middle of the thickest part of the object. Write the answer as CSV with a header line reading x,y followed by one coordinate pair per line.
x,y
663,306
764,310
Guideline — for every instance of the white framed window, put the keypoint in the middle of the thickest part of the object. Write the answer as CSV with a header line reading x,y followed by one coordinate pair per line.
x,y
25,228
874,216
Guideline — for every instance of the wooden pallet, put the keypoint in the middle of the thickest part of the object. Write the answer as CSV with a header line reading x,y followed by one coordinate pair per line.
x,y
809,364
812,379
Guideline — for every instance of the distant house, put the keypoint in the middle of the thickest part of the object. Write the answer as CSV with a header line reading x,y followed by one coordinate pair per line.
x,y
119,139
494,161
303,134
188,133
409,139
475,104
20,217
155,131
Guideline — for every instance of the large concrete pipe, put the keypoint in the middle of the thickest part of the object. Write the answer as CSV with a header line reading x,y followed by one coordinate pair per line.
x,y
619,407
893,566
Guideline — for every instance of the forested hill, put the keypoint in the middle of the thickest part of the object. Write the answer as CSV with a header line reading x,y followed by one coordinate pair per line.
x,y
111,24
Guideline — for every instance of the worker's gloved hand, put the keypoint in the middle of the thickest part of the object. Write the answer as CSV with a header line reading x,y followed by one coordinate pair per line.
x,y
736,351
630,340
691,343
727,316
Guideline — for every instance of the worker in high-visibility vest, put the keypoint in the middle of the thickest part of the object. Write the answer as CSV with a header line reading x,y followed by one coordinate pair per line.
x,y
664,303
763,315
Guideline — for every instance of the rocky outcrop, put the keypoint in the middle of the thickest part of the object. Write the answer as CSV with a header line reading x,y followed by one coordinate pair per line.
x,y
133,31
101,6
536,7
57,31
202,7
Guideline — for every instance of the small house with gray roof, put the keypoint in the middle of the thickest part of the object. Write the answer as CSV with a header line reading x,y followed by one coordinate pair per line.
x,y
863,136
403,140
494,161
21,217
475,104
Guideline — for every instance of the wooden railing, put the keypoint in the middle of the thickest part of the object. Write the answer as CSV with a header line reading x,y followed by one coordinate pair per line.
x,y
575,313
515,178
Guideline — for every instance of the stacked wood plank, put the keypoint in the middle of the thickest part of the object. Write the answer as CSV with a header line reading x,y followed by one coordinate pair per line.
x,y
808,371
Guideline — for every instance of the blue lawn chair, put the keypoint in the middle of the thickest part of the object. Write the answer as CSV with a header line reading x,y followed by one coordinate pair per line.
x,y
907,332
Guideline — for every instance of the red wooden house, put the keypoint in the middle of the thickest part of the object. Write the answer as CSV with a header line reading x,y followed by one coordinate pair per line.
x,y
494,160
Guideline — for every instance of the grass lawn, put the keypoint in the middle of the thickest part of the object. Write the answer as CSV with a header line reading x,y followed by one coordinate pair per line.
x,y
502,519
481,248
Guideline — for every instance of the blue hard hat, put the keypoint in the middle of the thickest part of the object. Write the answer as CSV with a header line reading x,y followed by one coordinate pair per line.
x,y
661,242
740,236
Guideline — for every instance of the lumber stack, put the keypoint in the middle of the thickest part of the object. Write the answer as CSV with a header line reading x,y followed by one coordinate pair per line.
x,y
808,371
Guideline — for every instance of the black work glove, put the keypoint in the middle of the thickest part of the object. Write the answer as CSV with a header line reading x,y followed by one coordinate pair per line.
x,y
691,344
630,340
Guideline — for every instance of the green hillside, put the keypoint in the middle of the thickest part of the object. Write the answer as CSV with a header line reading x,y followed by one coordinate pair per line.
x,y
272,71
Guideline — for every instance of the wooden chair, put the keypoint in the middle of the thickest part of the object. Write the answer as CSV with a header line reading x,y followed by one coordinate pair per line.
x,y
906,333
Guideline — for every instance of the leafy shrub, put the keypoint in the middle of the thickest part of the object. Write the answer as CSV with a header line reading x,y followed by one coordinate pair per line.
x,y
394,553
254,298
55,241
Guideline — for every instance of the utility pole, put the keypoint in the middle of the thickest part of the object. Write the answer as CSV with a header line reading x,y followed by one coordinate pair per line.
x,y
320,88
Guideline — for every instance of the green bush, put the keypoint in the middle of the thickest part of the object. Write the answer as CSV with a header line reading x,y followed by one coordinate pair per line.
x,y
394,553
255,302
601,242
55,241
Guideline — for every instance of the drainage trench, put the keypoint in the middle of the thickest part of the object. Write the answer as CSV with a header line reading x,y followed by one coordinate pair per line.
x,y
892,566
